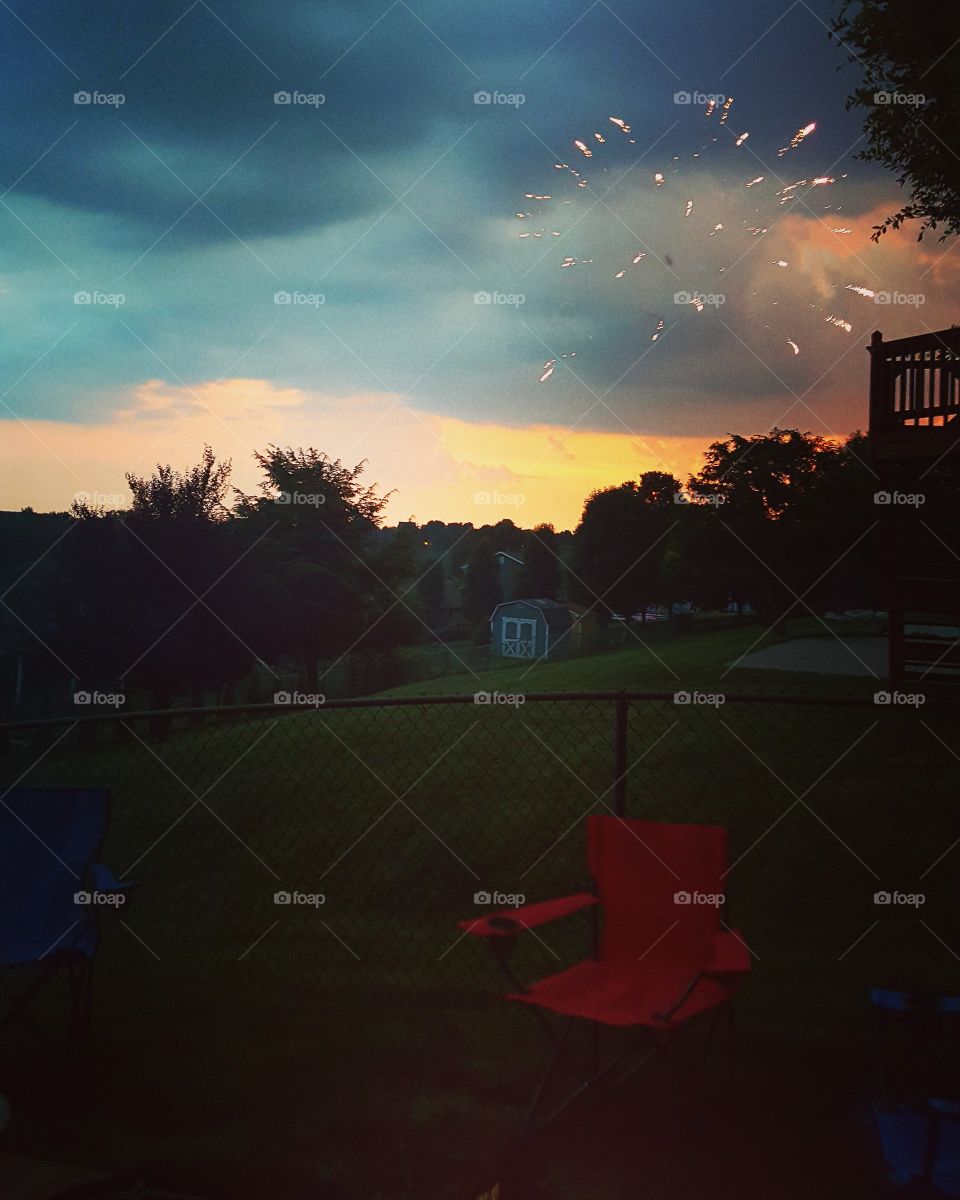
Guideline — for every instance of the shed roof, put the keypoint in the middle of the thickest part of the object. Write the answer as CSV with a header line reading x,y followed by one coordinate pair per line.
x,y
553,613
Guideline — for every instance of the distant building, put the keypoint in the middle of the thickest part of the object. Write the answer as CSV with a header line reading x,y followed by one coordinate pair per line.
x,y
536,629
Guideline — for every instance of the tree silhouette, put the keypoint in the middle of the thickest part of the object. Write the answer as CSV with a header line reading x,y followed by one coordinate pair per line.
x,y
481,587
541,564
621,543
156,603
780,511
314,519
912,102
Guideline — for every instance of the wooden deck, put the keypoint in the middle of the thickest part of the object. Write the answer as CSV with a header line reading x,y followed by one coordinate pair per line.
x,y
915,397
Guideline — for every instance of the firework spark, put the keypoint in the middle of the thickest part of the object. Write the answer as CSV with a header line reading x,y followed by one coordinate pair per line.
x,y
797,138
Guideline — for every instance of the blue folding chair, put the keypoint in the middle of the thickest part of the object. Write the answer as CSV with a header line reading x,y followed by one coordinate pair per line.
x,y
918,1119
52,890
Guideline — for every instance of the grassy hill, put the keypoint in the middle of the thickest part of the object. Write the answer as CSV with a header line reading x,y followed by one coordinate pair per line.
x,y
659,660
232,1031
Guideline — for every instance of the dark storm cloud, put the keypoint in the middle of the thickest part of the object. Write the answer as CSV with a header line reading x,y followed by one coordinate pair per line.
x,y
304,198
199,83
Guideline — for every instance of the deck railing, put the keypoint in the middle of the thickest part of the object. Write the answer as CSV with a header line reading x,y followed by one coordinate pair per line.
x,y
914,381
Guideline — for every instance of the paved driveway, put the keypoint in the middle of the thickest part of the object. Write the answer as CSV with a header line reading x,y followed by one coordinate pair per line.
x,y
824,656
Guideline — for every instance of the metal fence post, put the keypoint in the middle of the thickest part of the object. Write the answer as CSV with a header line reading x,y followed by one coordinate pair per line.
x,y
621,705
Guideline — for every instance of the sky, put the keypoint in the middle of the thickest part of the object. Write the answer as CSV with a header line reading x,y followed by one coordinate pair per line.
x,y
239,224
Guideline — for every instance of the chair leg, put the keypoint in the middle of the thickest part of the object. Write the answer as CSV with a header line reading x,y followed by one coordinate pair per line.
x,y
20,1001
558,1055
81,996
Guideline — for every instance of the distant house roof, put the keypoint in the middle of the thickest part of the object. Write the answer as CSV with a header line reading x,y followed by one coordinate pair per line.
x,y
513,558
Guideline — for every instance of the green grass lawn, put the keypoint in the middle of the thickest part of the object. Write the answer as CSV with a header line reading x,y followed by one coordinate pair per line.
x,y
659,660
363,1043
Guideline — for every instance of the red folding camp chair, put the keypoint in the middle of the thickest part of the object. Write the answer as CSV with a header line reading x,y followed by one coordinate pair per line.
x,y
662,957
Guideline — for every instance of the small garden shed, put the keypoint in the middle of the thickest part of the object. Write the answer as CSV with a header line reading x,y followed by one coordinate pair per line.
x,y
533,629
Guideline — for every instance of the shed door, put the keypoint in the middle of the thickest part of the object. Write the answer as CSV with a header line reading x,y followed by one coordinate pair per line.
x,y
519,638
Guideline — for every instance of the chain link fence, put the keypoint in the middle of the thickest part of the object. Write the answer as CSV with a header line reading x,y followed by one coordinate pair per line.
x,y
289,976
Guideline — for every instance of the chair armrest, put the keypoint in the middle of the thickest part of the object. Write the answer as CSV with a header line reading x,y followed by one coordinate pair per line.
x,y
730,954
508,922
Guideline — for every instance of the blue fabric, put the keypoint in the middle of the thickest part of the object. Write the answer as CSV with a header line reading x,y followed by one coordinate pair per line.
x,y
914,1001
104,880
905,1133
48,838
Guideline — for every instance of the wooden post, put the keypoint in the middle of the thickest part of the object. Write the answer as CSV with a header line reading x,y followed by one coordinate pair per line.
x,y
896,607
878,384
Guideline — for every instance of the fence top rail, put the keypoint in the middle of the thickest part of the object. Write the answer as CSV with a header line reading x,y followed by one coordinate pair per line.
x,y
944,339
365,702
